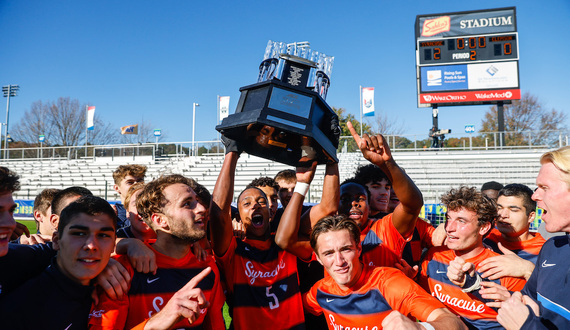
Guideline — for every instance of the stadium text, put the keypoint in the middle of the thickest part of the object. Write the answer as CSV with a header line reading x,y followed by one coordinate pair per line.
x,y
485,22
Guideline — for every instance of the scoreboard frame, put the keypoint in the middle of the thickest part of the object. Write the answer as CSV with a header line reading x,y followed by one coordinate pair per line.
x,y
467,58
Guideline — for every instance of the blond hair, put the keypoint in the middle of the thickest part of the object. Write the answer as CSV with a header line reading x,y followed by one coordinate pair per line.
x,y
560,158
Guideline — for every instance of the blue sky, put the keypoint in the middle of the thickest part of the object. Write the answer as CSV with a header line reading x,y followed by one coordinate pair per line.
x,y
149,60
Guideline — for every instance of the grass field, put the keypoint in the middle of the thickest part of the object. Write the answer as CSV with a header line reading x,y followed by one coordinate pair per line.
x,y
31,224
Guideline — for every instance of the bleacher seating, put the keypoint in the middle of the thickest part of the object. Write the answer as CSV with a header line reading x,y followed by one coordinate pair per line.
x,y
434,172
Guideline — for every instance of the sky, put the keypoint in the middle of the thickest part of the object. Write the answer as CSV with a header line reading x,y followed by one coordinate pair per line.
x,y
143,60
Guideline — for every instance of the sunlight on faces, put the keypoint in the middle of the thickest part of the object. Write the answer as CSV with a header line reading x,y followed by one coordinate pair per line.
x,y
512,220
285,191
7,222
185,216
553,196
132,214
339,254
45,226
354,203
254,212
464,232
271,194
85,246
123,187
379,195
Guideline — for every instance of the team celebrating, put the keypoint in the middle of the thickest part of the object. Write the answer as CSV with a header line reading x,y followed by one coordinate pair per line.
x,y
171,255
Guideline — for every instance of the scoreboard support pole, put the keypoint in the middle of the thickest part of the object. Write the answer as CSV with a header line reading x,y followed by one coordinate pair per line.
x,y
435,113
501,123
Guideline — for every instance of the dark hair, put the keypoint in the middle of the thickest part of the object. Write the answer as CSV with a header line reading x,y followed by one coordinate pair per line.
x,y
58,199
493,185
204,194
353,180
473,200
9,181
151,199
334,223
520,191
369,173
286,175
44,198
264,181
90,205
248,188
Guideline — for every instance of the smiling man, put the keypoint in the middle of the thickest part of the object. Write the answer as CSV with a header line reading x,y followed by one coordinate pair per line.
x,y
8,184
262,280
544,303
84,242
512,238
170,207
359,296
450,272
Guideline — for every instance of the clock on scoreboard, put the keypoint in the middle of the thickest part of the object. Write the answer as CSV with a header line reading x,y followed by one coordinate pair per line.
x,y
469,57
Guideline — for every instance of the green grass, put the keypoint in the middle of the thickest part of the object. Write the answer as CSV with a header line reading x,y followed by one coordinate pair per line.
x,y
31,224
227,317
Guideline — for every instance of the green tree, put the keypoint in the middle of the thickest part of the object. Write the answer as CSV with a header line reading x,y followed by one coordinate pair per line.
x,y
523,117
346,137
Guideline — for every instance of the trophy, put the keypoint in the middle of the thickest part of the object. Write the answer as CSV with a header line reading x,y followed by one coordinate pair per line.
x,y
284,116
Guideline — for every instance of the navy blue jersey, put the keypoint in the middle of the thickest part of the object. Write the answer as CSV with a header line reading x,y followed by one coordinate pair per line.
x,y
549,286
23,262
122,214
48,301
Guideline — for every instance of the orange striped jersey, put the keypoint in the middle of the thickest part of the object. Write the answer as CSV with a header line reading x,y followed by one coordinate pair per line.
x,y
374,250
263,286
149,293
528,250
417,242
389,235
470,306
378,291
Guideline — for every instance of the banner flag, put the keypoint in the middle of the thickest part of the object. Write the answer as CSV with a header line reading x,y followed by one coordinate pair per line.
x,y
368,101
130,129
224,107
90,118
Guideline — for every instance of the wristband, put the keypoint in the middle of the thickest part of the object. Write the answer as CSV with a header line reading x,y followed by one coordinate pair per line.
x,y
301,188
427,326
472,283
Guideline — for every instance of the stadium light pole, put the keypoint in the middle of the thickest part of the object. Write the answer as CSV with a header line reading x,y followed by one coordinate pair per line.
x,y
8,91
194,105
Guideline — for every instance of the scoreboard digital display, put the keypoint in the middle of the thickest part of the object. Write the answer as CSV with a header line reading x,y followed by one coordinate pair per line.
x,y
496,47
467,58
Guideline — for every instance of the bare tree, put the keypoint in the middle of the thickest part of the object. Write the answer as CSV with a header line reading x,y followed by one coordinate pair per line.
x,y
524,116
63,123
382,124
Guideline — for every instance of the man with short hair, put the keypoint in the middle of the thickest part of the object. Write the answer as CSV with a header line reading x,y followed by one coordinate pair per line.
x,y
491,189
9,182
379,187
125,176
512,238
271,190
42,214
450,272
170,207
286,180
359,296
84,242
544,303
63,198
262,280
138,228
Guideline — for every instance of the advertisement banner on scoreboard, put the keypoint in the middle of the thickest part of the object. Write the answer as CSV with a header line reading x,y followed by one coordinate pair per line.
x,y
24,208
476,76
447,98
466,23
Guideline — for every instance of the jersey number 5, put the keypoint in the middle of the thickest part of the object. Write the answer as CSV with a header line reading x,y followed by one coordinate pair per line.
x,y
272,304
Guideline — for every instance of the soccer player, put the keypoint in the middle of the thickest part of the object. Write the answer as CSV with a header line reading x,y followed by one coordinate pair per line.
x,y
261,278
512,238
491,189
395,229
357,296
286,180
170,207
379,187
137,228
544,303
42,215
84,241
450,272
8,184
271,190
125,176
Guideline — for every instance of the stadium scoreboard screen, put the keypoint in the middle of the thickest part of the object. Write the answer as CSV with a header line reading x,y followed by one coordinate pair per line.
x,y
467,58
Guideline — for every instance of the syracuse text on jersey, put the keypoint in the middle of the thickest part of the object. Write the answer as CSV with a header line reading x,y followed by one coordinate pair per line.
x,y
252,273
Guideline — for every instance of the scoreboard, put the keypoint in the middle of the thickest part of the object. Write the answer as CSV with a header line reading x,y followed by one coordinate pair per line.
x,y
467,58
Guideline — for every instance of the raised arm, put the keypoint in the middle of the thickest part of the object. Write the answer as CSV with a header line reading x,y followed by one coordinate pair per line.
x,y
220,211
329,199
287,233
376,150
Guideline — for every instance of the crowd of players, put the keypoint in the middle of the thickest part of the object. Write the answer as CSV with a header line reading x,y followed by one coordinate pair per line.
x,y
170,254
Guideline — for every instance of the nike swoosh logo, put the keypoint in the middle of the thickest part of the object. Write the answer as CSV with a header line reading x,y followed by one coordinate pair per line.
x,y
329,300
246,248
544,264
69,326
441,272
149,281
